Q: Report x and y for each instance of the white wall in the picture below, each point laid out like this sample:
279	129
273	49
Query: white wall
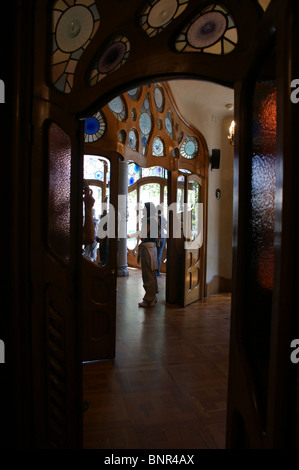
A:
207	112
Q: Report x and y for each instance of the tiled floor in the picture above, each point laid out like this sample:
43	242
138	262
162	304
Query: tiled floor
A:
167	387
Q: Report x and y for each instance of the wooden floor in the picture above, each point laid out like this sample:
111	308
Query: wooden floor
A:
167	387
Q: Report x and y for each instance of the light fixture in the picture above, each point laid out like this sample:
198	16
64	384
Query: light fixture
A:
231	135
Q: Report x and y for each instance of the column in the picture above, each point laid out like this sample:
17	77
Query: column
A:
122	266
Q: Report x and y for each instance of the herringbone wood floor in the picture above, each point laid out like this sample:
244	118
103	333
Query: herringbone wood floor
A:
167	387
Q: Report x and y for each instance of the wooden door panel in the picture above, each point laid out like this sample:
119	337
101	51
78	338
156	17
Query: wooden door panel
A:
55	249
99	311
192	276
260	392
99	289
193	243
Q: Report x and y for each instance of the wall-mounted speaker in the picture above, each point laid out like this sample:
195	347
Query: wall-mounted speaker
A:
215	159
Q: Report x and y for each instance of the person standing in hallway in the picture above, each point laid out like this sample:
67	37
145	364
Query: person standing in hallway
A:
162	227
147	255
102	235
88	227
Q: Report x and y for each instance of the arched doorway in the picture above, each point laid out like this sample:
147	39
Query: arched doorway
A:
58	99
148	178
180	162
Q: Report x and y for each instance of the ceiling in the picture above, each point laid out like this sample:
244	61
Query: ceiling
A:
206	95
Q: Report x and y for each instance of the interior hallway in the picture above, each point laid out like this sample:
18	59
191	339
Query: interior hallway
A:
167	387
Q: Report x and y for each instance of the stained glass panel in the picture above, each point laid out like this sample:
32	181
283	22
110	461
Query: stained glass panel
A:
134	93
95	168
158	149
95	127
194	196
212	31
157	14
132	219
149	192
189	147
169	123
180	193
59	193
154	171
119	108
263	181
260	259
134	173
112	58
74	24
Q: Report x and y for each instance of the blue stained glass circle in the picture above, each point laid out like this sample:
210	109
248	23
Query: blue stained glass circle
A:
190	148
131	180
92	126
99	175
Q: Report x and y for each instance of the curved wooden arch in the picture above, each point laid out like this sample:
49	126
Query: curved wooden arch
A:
150	59
182	129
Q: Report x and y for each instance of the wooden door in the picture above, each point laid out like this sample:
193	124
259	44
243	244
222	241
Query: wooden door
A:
55	282
99	288
262	378
193	238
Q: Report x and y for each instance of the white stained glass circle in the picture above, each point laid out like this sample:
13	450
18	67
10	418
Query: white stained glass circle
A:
162	12
159	98
157	147
116	105
132	139
189	148
145	123
207	29
133	92
74	28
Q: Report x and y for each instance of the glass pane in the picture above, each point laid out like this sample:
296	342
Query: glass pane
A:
211	31
97	168
73	27
97	193
132	219
59	193
91	251
154	171
148	193
260	248
193	206
106	217
158	147
94	168
180	194
134	172
165	200
263	183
